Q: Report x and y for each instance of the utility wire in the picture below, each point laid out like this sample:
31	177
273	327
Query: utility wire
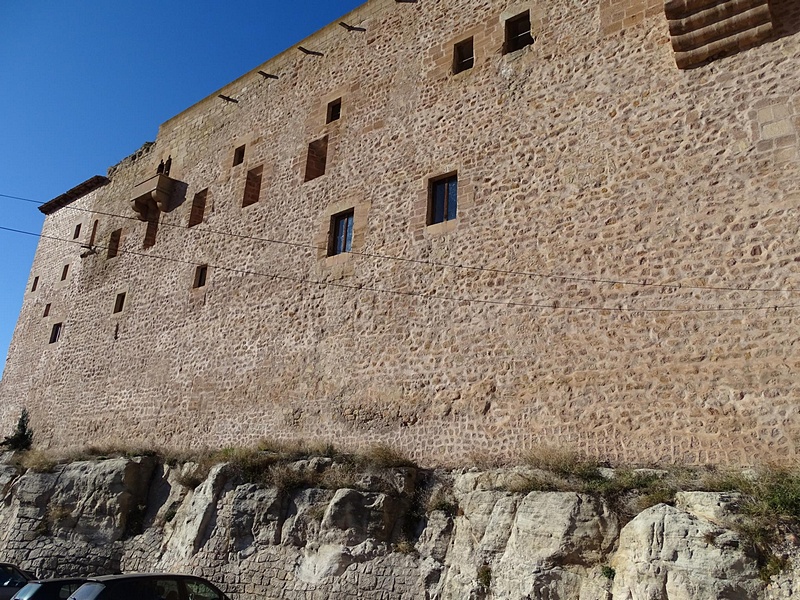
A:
497	271
379	290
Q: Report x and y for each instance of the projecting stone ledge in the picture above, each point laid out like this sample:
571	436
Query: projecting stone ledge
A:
156	189
702	30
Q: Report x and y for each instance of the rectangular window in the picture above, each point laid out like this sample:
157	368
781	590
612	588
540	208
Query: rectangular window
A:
252	187
46	310
198	208
463	56
341	233
119	303
238	156
317	158
64	272
35	283
113	243
94	234
443	199
55	333
334	111
518	32
151	232
77	231
200	274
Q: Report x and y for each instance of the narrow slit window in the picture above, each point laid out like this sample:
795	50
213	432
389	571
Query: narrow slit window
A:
198	208
334	111
77	232
463	56
238	156
252	186
94	234
341	233
119	303
64	272
55	332
317	158
151	232
46	310
113	243
35	283
443	199
200	275
518	32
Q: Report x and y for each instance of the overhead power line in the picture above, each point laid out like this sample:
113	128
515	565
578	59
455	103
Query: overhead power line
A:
393	291
440	264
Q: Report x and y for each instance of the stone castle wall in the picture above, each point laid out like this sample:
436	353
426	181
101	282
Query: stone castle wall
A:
619	278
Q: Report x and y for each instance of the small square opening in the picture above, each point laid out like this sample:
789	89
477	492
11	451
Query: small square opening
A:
77	232
64	272
198	208
518	32
35	283
340	236
46	310
119	303
200	275
238	156
463	56
334	110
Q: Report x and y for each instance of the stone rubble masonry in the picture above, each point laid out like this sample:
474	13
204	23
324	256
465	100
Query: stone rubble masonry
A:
619	278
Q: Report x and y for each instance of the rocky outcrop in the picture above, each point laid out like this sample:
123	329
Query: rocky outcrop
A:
378	539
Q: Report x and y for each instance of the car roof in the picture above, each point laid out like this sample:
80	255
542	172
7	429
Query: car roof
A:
58	580
102	578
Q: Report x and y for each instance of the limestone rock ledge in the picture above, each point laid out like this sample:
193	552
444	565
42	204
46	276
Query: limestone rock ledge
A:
373	542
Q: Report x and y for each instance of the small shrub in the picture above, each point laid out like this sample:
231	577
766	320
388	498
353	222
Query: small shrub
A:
404	547
38	461
22	438
288	479
774	566
484	576
564	463
384	457
608	572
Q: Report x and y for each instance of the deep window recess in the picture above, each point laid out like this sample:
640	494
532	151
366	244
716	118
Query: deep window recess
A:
113	243
200	275
463	56
252	187
35	283
198	208
55	333
94	234
518	32
238	156
64	272
151	232
334	111
77	231
119	303
317	158
46	310
341	234
443	199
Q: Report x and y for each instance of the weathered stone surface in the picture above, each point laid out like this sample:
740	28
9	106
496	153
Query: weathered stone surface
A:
667	554
261	542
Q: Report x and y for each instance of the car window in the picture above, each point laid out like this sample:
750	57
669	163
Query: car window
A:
156	588
11	577
90	591
67	589
27	592
200	590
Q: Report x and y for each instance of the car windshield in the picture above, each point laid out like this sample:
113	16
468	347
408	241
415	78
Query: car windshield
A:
11	577
90	591
27	592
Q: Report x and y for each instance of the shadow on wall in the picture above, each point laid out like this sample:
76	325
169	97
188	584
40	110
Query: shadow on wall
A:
785	17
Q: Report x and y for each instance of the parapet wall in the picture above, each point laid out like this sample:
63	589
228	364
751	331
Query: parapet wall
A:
619	277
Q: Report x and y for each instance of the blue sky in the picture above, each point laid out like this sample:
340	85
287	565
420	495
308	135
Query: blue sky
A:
85	83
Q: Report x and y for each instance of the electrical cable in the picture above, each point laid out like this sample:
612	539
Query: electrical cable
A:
379	290
438	264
